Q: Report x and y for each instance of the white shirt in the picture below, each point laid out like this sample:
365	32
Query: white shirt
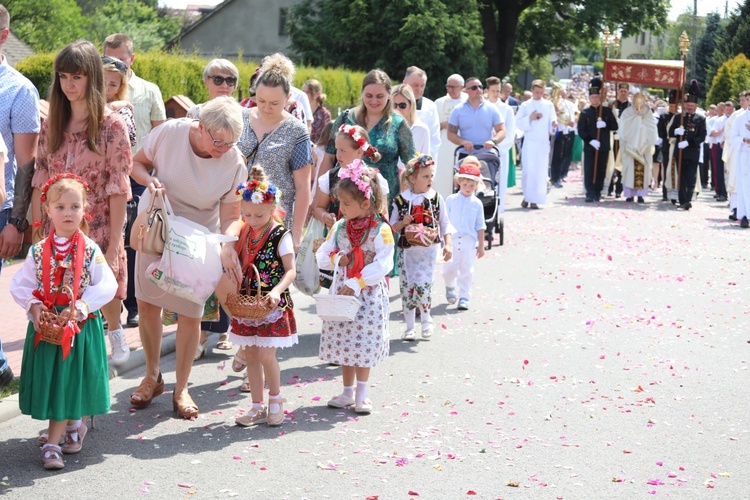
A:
537	130
509	117
148	106
421	135
466	213
300	96
429	116
445	105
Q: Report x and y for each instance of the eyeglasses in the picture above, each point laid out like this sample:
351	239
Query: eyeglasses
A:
475	87
119	65
219	80
220	144
400	105
453	86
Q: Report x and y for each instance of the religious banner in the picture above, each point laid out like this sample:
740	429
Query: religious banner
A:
662	74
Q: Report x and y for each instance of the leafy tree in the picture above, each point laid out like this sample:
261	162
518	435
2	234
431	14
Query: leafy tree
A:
139	20
735	41
89	6
543	26
440	36
732	78
33	22
706	46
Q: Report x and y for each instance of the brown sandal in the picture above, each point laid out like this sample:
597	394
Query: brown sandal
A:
147	391
185	406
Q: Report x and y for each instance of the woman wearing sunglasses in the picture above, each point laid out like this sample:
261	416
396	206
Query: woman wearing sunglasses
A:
405	104
220	77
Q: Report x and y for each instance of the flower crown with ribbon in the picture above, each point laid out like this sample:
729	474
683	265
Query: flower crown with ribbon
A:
423	161
359	173
259	192
59	177
361	142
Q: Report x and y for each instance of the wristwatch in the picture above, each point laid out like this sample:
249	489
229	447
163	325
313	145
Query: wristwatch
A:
20	224
494	141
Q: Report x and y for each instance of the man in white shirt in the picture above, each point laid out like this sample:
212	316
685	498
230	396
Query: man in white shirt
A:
537	119
300	96
715	138
416	78
494	93
730	155
444	161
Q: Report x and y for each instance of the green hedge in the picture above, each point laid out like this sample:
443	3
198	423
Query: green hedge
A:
183	74
732	78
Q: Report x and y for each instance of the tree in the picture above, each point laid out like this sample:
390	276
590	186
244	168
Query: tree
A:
732	78
735	41
706	46
440	36
32	22
139	20
543	26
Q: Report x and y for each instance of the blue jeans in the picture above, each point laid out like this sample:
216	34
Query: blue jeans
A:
4	216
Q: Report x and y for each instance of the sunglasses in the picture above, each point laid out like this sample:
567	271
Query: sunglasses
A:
475	87
400	105
220	144
119	65
219	80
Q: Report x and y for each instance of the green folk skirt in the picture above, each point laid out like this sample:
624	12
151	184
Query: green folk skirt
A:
512	167
55	389
577	149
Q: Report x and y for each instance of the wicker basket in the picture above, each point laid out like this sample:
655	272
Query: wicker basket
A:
249	306
51	325
419	235
332	307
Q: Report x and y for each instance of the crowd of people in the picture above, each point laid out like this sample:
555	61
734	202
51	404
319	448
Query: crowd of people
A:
393	182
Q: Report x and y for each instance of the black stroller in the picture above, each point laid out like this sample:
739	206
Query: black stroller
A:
488	191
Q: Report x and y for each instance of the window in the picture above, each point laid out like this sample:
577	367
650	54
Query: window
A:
282	20
643	38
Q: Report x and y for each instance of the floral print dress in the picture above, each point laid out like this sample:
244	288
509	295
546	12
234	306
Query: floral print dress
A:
363	342
107	173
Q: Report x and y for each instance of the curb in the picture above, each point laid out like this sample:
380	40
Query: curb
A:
9	406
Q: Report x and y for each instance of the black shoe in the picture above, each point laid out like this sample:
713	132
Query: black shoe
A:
629	200
685	206
558	184
674	202
133	319
704	186
641	200
743	224
721	198
5	378
733	215
589	199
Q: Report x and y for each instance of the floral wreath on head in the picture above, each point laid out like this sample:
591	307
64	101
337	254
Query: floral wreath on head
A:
258	192
423	161
358	139
59	177
359	173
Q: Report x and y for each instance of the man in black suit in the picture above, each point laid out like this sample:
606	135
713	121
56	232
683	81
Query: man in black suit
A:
595	132
690	133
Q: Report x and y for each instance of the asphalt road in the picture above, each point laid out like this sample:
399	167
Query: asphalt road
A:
604	357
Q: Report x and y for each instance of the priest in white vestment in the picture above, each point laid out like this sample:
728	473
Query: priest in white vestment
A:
537	119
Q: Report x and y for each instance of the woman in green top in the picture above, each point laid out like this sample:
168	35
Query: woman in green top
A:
388	131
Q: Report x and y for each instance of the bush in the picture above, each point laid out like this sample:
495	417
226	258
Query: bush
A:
177	73
732	78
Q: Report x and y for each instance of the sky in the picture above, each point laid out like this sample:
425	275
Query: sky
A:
678	6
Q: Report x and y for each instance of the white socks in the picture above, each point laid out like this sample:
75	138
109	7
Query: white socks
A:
274	407
361	391
348	391
74	427
410	317
426	320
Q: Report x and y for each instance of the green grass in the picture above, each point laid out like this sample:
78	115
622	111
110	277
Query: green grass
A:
10	389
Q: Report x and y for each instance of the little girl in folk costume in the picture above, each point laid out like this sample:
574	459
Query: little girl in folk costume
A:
62	383
367	242
265	243
420	204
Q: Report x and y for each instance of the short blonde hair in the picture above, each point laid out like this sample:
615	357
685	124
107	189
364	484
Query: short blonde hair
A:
408	94
538	83
223	113
222	66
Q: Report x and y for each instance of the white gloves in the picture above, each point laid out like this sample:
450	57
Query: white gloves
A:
595	144
659	141
601	124
679	131
682	144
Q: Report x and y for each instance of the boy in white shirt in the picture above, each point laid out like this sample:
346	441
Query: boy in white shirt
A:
466	214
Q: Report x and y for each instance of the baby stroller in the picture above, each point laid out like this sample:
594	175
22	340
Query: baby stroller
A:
487	191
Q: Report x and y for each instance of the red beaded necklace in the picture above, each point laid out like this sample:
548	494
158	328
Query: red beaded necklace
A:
253	245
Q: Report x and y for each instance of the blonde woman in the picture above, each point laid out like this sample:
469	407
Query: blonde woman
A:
405	104
116	91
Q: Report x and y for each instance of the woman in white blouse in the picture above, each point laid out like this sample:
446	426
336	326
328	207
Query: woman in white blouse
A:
405	104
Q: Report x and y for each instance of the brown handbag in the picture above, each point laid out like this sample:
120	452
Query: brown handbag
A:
150	227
